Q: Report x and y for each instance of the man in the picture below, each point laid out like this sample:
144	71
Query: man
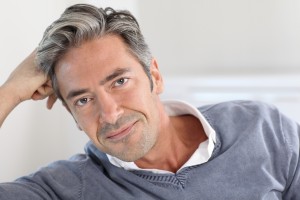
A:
141	148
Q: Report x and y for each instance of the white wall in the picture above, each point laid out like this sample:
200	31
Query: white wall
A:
188	37
223	37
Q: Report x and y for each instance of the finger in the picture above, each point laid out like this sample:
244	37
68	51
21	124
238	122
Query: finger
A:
42	92
46	88
37	96
51	100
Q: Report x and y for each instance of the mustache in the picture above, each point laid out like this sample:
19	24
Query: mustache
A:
108	127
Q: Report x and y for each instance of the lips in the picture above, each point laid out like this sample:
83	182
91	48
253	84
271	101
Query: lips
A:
120	133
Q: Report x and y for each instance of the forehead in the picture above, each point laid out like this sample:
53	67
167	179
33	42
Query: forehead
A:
93	59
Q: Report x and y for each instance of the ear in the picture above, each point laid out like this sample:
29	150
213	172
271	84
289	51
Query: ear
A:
68	109
158	85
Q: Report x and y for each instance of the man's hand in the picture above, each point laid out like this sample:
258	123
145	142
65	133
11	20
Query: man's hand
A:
25	82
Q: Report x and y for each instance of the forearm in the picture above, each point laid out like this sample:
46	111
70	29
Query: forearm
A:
7	102
24	83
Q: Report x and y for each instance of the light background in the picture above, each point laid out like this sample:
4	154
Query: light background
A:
208	51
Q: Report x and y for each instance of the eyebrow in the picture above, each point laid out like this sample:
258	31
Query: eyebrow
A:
114	74
74	93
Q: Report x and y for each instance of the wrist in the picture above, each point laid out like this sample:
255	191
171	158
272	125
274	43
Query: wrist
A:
8	102
9	96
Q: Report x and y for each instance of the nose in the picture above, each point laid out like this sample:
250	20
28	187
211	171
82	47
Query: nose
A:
109	109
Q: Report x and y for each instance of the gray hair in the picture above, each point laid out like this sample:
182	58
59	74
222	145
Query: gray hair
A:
82	22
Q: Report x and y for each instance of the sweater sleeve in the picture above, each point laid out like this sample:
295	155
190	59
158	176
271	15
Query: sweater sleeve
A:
59	180
291	131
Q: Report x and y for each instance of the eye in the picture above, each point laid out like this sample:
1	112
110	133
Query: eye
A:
82	101
120	82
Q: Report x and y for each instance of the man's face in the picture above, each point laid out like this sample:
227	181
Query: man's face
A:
108	93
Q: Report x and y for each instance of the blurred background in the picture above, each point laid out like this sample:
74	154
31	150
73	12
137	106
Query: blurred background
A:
208	51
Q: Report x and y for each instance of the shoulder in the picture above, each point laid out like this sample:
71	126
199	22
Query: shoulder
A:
239	106
248	112
240	111
253	122
256	126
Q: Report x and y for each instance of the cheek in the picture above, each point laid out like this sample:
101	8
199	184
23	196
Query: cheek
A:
147	104
87	122
140	93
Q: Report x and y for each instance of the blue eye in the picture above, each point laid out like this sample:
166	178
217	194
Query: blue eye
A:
120	82
82	101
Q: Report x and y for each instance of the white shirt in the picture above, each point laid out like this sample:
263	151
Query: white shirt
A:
201	155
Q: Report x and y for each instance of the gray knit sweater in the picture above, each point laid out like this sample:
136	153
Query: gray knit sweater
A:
256	156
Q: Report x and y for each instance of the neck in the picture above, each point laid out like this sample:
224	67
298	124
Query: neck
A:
178	140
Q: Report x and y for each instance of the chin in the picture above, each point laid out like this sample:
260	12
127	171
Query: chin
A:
129	157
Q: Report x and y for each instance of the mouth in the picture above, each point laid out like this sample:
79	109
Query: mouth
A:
121	133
